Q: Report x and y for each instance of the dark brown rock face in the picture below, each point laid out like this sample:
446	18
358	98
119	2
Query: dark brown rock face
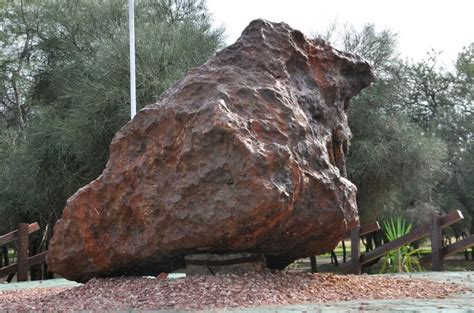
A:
245	154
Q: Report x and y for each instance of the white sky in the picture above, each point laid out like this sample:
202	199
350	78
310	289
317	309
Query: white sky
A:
445	25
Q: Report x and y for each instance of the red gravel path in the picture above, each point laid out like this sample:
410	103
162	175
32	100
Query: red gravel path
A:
222	291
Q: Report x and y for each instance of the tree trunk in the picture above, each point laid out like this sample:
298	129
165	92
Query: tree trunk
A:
378	237
368	242
314	266
465	251
472	233
46	273
334	258
36	272
47	238
4	260
343	251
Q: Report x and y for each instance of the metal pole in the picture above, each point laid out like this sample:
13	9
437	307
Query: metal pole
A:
131	24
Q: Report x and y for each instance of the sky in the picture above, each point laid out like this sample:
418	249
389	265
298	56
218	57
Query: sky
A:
421	25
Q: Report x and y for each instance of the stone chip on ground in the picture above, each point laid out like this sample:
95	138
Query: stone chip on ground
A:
223	291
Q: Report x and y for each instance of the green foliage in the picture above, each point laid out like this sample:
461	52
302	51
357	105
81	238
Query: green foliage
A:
396	228
393	161
405	258
79	95
411	152
64	83
18	64
393	164
441	102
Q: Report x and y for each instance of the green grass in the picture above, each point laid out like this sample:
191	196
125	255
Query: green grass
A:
453	263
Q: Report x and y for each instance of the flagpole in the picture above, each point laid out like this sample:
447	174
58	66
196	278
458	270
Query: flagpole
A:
131	24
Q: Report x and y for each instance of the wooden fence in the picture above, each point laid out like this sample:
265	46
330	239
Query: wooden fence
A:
434	230
24	261
363	230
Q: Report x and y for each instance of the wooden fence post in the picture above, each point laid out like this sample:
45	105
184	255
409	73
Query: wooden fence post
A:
436	244
355	251
22	254
314	266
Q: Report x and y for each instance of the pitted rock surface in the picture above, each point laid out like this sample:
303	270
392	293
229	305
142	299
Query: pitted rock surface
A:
246	153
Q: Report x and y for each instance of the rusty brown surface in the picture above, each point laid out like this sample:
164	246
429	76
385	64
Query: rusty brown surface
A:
246	153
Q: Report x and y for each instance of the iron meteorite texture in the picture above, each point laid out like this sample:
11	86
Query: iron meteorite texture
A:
246	153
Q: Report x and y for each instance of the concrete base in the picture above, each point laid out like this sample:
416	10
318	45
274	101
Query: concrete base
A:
210	263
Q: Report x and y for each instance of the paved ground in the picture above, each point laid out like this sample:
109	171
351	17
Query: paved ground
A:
459	303
50	283
54	283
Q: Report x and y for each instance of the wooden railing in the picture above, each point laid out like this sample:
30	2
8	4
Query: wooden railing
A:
434	230
364	230
24	261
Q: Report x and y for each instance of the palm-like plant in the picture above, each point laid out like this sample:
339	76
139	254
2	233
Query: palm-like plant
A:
405	258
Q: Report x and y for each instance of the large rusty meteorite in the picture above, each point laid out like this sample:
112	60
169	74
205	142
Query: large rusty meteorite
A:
245	153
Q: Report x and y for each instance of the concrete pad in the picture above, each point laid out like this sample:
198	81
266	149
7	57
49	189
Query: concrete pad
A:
49	283
57	283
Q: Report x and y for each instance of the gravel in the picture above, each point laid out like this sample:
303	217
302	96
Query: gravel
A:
222	291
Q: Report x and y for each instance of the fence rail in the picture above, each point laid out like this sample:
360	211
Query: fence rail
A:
434	230
11	236
24	261
365	229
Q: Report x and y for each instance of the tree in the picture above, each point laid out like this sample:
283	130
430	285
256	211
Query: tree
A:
79	91
441	103
392	161
412	148
18	64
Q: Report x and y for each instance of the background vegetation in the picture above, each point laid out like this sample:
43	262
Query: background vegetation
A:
64	93
65	89
412	150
